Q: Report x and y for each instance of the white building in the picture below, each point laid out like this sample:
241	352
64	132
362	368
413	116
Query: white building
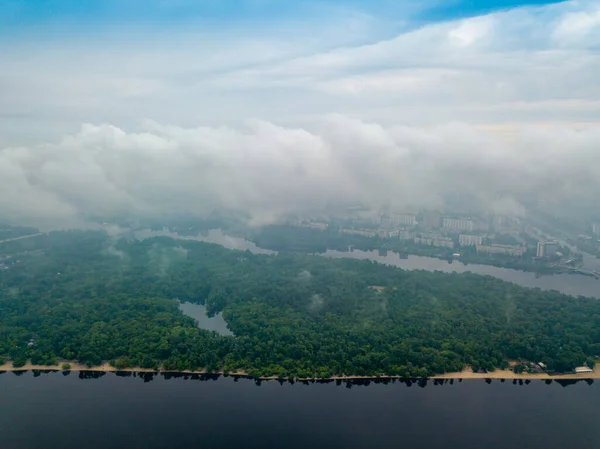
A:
508	250
458	224
403	219
583	369
470	240
405	234
596	228
546	249
438	242
540	249
360	232
314	225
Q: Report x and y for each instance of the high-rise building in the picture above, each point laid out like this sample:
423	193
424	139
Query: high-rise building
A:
596	228
403	219
458	224
508	250
470	240
442	242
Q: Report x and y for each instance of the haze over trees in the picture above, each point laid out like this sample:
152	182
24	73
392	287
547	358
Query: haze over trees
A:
84	296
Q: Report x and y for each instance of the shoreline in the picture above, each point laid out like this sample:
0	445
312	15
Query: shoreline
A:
526	268
464	374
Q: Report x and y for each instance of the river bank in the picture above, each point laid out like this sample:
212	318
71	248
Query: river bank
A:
569	284
467	373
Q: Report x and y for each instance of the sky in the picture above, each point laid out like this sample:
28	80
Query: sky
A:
161	106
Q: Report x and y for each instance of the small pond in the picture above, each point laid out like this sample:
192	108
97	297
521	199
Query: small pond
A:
198	312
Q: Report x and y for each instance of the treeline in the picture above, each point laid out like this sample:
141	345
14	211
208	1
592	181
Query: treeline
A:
90	298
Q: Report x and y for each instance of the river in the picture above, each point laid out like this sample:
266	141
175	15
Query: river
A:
150	411
570	284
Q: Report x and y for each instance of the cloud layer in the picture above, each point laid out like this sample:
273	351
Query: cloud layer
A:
267	171
498	111
523	65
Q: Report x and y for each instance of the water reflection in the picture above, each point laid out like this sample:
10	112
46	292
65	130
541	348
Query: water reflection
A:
39	372
91	374
347	383
150	376
197	311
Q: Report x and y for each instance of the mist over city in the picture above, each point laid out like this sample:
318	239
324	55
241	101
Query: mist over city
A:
266	172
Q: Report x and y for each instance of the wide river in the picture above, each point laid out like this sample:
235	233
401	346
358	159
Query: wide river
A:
56	411
570	284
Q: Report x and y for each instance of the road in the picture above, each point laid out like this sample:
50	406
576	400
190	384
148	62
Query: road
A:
21	238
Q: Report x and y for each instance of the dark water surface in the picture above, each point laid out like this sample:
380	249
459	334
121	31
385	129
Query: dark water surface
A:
56	411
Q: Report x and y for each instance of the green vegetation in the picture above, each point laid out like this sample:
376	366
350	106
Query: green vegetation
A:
82	296
66	367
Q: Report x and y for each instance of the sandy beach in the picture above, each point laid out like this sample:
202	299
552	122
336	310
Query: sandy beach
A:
74	367
105	367
467	373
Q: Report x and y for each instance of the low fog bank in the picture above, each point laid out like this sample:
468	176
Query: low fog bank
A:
264	172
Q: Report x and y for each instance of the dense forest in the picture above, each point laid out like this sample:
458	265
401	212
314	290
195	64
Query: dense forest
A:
86	296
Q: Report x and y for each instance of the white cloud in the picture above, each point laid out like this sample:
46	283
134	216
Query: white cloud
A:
267	171
348	111
473	70
471	31
578	25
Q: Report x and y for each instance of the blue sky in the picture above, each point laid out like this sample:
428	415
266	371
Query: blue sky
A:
24	13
